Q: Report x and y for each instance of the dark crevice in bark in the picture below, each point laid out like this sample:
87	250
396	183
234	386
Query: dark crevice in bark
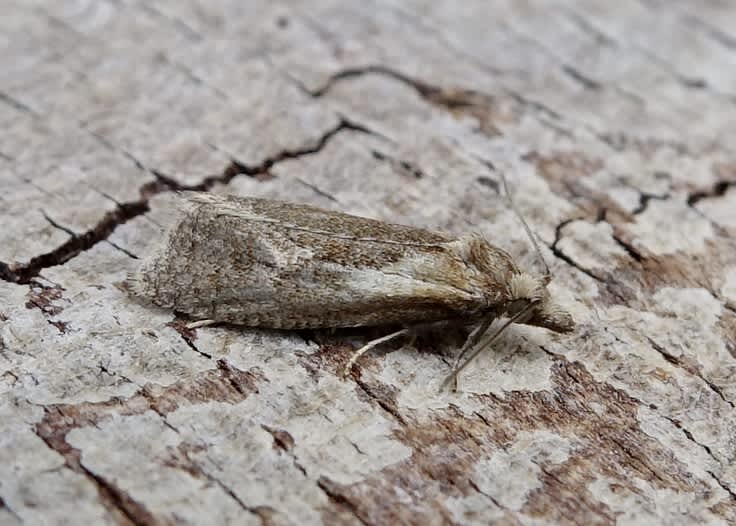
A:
57	225
4	506
117	501
567	259
73	234
619	141
357	449
238	168
448	98
243	382
675	422
718	190
645	198
692	370
584	81
184	462
329	489
133	511
285	442
282	439
723	485
121	249
190	343
629	248
185	29
6	273
489	183
452	99
23	273
640	464
587	27
475	487
382	402
349	73
536	105
404	166
581	79
257	511
16	104
317	190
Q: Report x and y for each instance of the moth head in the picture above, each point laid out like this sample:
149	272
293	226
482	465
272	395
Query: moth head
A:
530	292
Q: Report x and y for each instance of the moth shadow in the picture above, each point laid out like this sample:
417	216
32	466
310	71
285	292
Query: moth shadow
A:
440	339
337	345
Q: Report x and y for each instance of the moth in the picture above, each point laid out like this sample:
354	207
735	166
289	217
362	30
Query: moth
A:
279	265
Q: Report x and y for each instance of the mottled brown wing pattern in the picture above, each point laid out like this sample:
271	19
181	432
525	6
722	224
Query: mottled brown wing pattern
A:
279	265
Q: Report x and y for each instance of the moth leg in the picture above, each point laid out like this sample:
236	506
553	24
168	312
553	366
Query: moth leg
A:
452	377
473	338
370	345
200	323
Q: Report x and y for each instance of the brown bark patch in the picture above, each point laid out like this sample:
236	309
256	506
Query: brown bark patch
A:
282	439
44	298
649	272
121	506
564	173
599	420
224	384
563	497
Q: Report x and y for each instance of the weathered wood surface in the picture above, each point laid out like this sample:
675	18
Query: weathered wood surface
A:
614	121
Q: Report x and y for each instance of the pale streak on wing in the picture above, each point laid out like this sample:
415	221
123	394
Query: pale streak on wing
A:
293	216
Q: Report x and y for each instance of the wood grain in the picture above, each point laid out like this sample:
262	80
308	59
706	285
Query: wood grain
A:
613	122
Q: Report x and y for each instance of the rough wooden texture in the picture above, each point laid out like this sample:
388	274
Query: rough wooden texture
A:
614	121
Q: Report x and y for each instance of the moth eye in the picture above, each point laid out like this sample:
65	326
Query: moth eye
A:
516	306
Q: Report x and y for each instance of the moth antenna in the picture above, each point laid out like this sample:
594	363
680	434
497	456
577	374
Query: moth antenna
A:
526	227
452	377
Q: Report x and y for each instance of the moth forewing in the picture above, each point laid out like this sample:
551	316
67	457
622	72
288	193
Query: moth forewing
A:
278	265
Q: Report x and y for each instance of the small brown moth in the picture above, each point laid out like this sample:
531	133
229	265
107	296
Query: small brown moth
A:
272	264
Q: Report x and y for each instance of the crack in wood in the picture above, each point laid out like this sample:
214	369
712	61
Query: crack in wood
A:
283	441
11	511
183	461
688	368
23	273
675	422
454	100
17	105
330	489
645	198
117	501
632	252
387	405
558	253
731	493
719	189
402	165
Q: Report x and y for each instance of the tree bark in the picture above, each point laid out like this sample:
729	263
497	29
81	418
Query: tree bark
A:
614	124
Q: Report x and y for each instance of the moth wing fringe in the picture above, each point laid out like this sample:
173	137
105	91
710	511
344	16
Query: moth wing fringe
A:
171	208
